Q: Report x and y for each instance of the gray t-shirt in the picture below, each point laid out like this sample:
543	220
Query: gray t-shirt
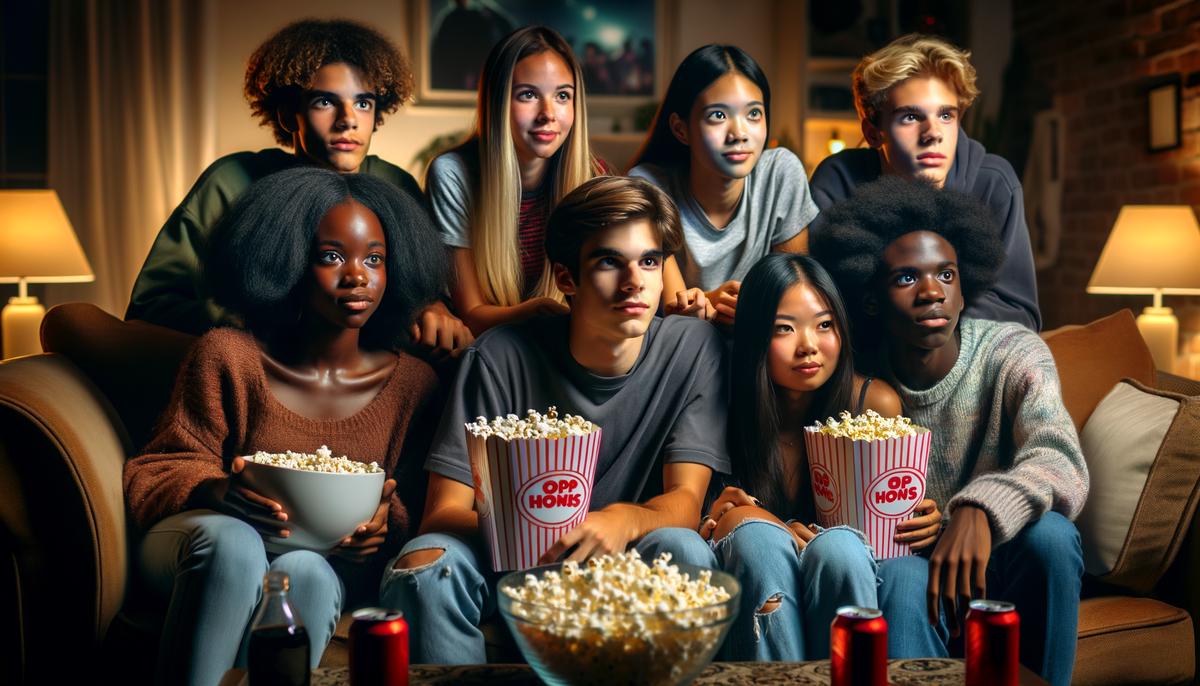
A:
451	191
669	408
776	204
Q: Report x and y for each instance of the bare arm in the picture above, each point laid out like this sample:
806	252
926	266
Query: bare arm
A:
480	316
450	508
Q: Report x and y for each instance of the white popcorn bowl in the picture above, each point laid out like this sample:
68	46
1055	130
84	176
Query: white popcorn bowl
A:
322	507
674	655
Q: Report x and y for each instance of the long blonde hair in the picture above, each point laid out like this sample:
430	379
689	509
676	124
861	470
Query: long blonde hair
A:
493	229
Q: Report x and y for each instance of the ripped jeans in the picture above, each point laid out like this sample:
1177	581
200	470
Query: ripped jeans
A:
835	569
445	601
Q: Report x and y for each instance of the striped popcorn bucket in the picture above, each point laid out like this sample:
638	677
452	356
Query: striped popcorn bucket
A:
529	492
868	485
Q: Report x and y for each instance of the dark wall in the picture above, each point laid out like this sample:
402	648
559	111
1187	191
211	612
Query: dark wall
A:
1097	59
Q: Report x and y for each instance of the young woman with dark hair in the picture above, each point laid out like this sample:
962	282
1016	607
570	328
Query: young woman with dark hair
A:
326	271
738	200
491	195
792	366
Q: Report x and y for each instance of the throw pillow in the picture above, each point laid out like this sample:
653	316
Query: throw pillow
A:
1092	358
1143	456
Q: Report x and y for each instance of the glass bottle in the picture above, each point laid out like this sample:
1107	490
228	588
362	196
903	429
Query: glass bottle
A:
279	649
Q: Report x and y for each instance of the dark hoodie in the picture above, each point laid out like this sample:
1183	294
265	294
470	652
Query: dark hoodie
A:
990	179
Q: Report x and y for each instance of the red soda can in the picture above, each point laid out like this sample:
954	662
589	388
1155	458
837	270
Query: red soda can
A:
378	648
992	643
858	647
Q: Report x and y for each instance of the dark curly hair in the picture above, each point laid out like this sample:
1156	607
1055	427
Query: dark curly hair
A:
260	251
850	238
282	68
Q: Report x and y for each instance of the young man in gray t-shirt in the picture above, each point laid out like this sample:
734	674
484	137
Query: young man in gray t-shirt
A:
656	387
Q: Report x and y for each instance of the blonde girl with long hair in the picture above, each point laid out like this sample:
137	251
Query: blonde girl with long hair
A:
490	196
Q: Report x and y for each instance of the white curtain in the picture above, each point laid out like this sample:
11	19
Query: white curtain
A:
132	124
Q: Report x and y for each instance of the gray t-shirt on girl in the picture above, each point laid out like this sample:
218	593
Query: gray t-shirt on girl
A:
776	204
450	188
669	408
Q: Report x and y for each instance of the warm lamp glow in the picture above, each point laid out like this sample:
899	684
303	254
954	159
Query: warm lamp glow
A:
836	144
37	245
1153	249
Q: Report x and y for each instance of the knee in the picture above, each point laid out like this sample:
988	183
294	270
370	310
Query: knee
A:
840	553
422	552
1053	541
305	566
684	545
418	558
229	547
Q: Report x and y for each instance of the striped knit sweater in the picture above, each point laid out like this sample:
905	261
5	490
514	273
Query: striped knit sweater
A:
1002	440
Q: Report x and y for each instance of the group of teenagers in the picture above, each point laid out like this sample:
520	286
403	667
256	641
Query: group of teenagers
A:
702	310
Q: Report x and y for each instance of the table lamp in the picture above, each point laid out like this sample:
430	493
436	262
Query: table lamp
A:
37	245
1153	249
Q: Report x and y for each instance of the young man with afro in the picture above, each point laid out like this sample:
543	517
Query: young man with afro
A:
1005	463
911	96
323	87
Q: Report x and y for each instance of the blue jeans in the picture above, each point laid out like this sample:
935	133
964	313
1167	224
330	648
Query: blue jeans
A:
1039	571
210	568
836	568
445	601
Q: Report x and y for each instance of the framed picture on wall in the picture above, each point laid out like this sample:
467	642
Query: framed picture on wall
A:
620	44
1162	107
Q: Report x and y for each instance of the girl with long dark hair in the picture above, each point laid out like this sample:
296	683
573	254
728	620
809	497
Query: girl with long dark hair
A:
738	200
326	271
792	366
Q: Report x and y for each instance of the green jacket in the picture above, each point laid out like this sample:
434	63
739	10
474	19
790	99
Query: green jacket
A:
170	289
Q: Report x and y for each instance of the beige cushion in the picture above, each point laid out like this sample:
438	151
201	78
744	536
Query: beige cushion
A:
1144	462
1091	359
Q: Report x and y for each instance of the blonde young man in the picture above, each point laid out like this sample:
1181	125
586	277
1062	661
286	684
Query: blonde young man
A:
910	97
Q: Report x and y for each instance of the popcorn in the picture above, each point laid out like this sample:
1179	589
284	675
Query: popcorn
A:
867	427
616	619
534	425
322	461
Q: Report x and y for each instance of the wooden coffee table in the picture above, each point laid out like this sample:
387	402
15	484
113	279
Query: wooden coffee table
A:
924	671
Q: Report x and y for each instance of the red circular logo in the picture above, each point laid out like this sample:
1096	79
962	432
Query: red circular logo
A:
554	498
825	490
896	492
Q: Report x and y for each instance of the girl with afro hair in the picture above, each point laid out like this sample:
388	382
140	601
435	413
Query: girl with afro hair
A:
326	272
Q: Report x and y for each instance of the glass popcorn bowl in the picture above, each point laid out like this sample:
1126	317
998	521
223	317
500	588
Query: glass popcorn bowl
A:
653	648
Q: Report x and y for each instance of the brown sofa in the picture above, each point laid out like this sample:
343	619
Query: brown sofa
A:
69	418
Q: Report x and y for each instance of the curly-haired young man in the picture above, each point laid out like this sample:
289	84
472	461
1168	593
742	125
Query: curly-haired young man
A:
1005	463
323	87
910	96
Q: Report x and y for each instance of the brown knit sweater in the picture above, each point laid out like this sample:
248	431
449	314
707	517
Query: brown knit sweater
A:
222	407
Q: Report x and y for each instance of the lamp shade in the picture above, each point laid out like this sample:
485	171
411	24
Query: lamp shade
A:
37	243
1152	248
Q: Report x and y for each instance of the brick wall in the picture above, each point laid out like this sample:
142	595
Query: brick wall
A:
1097	58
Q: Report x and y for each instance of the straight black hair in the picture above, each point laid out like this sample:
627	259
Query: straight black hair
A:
695	73
754	421
260	251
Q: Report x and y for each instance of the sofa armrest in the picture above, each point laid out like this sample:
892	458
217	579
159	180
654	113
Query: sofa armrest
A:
1177	384
62	509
